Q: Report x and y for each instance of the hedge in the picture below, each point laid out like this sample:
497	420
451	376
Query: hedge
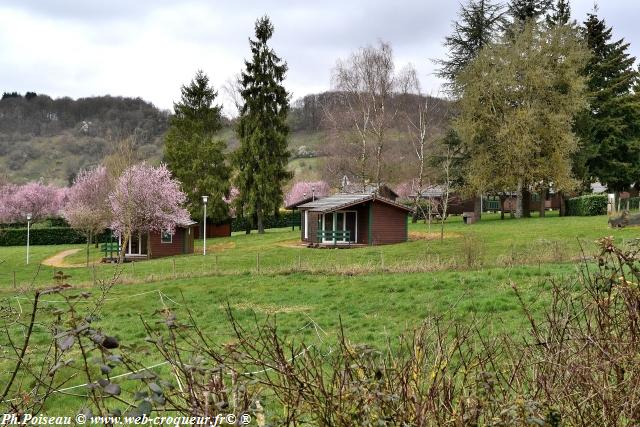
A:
284	219
13	236
587	205
40	236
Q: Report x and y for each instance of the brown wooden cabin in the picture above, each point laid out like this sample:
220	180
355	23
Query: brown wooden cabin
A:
157	245
457	203
353	219
553	201
214	229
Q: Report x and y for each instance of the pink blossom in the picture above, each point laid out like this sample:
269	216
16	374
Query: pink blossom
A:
146	198
39	200
87	201
233	195
302	189
405	190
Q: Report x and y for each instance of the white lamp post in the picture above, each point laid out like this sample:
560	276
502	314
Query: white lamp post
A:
28	234
204	233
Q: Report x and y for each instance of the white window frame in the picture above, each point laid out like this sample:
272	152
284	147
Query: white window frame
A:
306	224
162	241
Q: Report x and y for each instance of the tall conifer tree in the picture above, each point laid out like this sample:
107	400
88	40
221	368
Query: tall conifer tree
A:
479	24
610	128
523	10
560	13
193	153
262	157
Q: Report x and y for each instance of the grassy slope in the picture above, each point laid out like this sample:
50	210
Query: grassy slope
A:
373	307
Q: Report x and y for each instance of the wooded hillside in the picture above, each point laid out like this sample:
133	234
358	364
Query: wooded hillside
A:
53	139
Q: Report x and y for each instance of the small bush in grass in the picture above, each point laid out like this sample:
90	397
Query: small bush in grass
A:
472	251
587	205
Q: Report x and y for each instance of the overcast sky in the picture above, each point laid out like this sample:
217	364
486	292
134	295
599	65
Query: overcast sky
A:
150	48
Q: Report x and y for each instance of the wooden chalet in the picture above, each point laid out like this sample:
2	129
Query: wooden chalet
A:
156	244
353	219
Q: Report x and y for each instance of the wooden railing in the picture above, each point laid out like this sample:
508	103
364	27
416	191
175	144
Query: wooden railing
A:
337	236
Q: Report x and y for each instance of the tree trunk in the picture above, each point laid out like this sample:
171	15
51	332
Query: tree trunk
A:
477	207
519	207
526	202
123	249
149	245
543	198
563	204
259	215
88	244
503	199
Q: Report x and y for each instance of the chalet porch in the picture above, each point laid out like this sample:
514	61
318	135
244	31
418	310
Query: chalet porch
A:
351	220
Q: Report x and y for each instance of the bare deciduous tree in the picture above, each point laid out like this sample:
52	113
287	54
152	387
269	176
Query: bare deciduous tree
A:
423	116
366	82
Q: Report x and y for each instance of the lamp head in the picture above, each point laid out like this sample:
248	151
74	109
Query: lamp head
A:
28	217
204	199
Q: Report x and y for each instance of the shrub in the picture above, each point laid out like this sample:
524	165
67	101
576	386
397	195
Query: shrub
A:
284	219
587	205
40	236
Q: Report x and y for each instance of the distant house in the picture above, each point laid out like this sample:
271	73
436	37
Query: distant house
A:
456	205
214	229
382	190
345	219
161	244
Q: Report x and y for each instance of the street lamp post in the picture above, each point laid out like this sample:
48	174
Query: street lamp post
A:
313	193
28	234
204	227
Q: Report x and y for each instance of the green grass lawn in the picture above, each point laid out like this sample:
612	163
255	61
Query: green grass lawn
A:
376	292
490	243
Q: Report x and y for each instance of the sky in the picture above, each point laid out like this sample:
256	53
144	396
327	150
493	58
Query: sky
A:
149	48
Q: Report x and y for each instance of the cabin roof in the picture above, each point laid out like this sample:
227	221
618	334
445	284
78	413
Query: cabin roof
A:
342	200
302	201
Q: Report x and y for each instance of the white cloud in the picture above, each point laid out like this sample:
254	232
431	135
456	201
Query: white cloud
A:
150	48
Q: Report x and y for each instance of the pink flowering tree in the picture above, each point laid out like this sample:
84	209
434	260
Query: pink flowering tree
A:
39	200
87	207
6	192
302	189
144	199
233	195
406	190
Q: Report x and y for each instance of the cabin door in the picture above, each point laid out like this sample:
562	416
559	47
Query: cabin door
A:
340	221
137	245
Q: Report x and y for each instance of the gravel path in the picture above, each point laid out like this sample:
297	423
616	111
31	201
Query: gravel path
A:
58	259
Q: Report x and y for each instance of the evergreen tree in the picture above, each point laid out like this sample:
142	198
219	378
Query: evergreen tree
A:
523	10
262	157
479	24
193	153
560	13
515	120
610	127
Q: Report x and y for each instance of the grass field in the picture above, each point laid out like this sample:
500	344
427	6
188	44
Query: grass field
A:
376	291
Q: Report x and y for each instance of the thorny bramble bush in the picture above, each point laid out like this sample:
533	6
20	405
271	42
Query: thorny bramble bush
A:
577	365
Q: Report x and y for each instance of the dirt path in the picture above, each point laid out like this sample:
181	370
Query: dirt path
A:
58	259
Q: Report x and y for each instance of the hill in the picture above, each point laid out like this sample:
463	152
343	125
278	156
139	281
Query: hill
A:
52	139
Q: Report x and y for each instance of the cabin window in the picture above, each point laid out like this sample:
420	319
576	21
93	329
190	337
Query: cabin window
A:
306	224
166	237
